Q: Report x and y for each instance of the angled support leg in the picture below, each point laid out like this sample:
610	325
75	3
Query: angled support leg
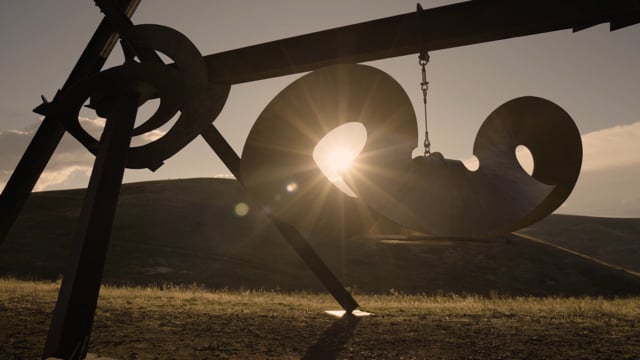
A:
28	171
70	328
222	148
50	132
315	263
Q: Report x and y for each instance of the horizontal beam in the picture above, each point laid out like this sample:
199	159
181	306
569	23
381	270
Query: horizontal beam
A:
460	24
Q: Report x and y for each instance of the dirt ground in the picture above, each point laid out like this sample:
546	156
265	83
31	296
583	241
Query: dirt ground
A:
197	324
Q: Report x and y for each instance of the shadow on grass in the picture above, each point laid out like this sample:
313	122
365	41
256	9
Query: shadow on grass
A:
333	340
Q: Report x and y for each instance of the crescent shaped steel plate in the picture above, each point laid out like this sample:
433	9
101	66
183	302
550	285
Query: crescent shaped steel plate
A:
431	194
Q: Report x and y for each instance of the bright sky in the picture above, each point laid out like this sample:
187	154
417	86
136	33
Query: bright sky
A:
593	74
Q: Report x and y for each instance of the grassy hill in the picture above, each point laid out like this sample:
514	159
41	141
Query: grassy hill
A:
616	241
186	231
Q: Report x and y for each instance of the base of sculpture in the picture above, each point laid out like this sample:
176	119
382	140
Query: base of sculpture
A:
342	313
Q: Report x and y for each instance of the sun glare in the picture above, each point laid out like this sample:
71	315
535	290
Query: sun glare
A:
335	152
340	159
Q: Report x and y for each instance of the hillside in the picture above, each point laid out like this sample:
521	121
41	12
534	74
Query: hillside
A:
186	231
616	241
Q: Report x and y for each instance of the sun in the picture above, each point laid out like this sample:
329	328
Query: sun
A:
336	151
340	158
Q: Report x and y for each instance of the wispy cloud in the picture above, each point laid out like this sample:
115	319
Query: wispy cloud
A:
608	183
617	146
70	160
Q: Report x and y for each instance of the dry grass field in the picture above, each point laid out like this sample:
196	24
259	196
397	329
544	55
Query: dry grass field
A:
194	323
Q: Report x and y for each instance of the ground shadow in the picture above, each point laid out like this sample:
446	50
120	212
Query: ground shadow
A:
333	340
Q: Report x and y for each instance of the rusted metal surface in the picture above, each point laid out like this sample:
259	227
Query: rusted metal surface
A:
68	336
429	194
183	88
290	233
50	132
460	24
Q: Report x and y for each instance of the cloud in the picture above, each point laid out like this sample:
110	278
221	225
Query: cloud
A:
613	147
613	192
60	176
608	182
71	161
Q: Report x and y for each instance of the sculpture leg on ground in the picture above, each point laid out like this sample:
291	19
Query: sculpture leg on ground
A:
73	318
116	93
50	132
217	142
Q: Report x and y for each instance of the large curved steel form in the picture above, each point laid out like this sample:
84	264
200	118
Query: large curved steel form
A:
304	112
182	88
433	195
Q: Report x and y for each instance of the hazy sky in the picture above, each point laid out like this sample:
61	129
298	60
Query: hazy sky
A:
593	74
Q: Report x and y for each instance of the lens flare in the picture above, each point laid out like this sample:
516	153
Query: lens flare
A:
292	187
241	209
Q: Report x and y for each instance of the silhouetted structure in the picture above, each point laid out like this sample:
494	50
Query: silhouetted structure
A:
430	194
198	86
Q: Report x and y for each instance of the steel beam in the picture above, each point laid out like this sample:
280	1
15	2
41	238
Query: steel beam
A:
460	24
28	171
46	140
70	329
293	237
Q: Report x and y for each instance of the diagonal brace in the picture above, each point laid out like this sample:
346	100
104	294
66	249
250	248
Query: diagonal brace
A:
222	148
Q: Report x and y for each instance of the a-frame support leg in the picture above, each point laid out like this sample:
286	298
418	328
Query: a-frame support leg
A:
222	148
50	132
28	171
75	309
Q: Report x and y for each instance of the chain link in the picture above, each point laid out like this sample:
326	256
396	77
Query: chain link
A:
423	60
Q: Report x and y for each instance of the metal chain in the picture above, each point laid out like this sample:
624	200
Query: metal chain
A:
423	59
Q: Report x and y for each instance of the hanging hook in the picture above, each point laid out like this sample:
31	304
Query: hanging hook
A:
423	60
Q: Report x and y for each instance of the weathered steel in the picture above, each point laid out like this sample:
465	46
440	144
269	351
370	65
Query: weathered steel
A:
183	88
223	149
198	88
293	237
26	174
430	194
50	132
460	24
122	24
70	328
315	263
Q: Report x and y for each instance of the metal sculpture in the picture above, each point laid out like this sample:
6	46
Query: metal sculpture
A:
197	87
430	194
181	88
